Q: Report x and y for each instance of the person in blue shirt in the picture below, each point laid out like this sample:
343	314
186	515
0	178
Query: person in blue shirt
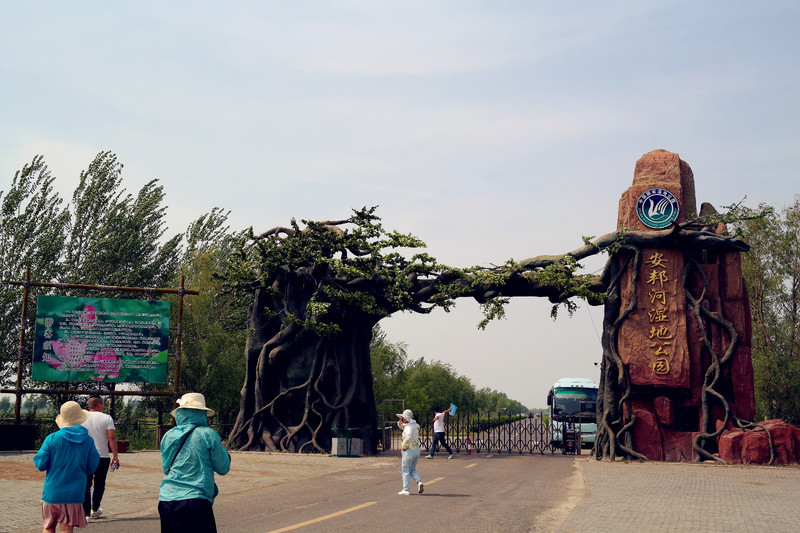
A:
67	456
190	454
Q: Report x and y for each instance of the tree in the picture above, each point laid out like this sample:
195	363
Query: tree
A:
424	385
33	226
116	238
772	274
214	322
388	361
104	236
319	291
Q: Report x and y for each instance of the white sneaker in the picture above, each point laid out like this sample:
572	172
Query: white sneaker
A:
88	519
98	513
420	487
450	456
403	493
428	457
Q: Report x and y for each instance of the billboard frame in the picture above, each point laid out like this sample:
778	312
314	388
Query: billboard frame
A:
19	391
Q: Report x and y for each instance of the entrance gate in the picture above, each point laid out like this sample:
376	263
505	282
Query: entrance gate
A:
500	432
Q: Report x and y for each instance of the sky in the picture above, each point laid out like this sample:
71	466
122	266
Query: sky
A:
490	130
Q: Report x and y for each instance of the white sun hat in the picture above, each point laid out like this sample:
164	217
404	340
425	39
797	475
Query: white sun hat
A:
407	414
71	415
193	400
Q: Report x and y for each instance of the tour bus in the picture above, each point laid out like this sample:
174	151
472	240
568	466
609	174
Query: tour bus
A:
573	401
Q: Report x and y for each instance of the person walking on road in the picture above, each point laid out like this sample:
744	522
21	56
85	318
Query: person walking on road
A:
409	450
67	456
190	454
438	433
101	429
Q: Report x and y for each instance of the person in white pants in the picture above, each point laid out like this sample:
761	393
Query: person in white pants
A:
409	450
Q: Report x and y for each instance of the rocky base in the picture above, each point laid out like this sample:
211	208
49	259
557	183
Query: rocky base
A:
752	446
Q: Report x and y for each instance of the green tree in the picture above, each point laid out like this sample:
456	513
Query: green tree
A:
215	322
491	400
424	385
117	238
6	408
388	365
772	274
33	226
436	384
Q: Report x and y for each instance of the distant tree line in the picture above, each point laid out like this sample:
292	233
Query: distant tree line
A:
424	385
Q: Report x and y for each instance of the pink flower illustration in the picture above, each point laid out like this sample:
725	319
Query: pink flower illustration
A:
71	354
106	364
88	317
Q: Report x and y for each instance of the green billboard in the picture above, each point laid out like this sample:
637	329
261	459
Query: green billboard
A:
101	339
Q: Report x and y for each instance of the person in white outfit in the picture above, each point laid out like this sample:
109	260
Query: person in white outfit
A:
101	429
409	450
438	433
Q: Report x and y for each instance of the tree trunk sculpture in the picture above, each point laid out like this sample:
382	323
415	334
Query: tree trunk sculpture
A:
319	290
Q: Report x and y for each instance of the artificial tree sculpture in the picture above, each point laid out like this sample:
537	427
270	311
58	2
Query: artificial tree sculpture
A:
319	290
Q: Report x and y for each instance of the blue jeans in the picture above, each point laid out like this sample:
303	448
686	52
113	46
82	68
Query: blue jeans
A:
409	467
439	437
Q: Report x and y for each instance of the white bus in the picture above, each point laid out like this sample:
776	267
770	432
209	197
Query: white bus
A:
573	401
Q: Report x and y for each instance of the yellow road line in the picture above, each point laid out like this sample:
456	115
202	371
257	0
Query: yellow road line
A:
431	482
471	465
321	518
490	455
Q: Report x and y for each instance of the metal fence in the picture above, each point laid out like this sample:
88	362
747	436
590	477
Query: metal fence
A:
466	433
487	433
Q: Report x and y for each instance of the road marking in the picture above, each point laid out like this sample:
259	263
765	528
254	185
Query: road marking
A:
321	518
471	465
431	482
490	455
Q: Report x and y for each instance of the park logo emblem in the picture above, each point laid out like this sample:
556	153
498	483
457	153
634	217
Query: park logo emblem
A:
657	208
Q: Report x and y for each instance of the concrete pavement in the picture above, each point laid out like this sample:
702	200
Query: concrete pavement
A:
585	495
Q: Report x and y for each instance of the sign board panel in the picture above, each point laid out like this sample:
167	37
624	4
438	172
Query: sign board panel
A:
101	339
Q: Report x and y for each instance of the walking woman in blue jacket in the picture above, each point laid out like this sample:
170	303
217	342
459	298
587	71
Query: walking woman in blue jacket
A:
190	454
67	456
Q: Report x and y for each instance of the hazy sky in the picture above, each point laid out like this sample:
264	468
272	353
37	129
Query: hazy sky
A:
491	130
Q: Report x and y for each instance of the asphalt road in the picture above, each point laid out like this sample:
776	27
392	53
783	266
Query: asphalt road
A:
468	493
271	492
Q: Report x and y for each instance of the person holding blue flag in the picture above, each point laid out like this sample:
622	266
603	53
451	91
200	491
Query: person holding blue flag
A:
438	432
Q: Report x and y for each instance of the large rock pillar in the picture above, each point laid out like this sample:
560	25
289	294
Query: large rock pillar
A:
665	344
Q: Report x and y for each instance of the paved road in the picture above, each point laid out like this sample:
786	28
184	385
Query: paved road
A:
550	493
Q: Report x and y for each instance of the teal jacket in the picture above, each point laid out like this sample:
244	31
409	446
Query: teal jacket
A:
68	456
192	473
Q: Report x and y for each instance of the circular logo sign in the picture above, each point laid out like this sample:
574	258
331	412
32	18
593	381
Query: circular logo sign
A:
657	208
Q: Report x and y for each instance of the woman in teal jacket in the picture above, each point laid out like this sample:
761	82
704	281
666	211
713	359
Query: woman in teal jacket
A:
68	456
190	454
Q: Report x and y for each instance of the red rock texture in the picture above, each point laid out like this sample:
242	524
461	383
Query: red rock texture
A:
752	446
646	435
664	410
658	168
661	342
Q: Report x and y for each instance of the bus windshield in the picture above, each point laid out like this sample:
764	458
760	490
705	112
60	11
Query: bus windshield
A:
578	403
